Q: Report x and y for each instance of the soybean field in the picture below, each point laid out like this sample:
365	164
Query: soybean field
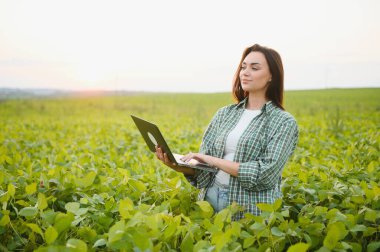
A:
76	175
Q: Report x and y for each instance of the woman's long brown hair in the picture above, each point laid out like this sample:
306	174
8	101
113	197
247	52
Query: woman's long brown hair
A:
275	89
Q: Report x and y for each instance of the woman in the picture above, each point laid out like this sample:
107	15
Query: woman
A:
250	141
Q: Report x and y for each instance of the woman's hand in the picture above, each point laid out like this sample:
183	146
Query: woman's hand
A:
164	158
202	158
227	166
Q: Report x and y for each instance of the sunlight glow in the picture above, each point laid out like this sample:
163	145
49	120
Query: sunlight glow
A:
92	72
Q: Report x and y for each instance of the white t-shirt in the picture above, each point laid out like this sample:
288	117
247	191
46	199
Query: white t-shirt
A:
223	178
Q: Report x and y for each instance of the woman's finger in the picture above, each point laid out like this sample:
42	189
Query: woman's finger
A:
160	154
167	161
187	157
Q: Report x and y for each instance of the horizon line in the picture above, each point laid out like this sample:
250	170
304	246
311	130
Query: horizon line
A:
156	91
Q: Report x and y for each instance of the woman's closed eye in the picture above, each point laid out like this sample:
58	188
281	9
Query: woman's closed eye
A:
253	68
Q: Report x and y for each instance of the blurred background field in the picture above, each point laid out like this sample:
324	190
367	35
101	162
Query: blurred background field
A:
334	110
86	150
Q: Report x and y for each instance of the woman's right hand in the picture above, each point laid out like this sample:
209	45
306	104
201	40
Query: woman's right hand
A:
164	159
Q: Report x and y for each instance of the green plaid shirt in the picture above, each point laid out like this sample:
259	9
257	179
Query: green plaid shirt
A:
262	151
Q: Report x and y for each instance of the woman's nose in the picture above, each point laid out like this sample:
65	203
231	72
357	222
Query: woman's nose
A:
245	72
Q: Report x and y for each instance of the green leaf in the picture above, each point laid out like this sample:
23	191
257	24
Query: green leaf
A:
35	228
137	185
221	217
87	233
249	241
330	241
358	228
299	247
277	204
84	201
87	181
154	222
277	232
370	215
265	207
370	231
358	199
335	214
320	210
4	197
303	176
9	160
202	246
340	228
28	211
81	211
185	218
355	246
116	232
41	201
285	213
77	245
142	241
11	190
30	189
336	232
63	221
136	219
257	226
174	182
50	235
48	216
170	229
125	206
314	228
72	207
205	206
187	242
220	239
373	246
235	229
99	243
2	174
371	166
4	220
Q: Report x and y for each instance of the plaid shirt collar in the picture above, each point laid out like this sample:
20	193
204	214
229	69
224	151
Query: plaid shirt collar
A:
267	107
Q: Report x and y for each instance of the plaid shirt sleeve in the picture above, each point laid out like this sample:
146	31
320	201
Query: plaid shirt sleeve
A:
265	172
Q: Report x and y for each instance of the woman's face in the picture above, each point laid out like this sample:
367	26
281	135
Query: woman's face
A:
254	74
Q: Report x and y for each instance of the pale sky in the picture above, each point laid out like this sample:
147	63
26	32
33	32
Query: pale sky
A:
173	45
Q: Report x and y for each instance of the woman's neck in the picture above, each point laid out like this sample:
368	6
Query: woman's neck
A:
256	101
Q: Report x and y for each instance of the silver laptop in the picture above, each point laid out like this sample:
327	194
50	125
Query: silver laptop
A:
153	138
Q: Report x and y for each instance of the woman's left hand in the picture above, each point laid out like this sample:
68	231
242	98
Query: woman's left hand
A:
199	157
227	166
